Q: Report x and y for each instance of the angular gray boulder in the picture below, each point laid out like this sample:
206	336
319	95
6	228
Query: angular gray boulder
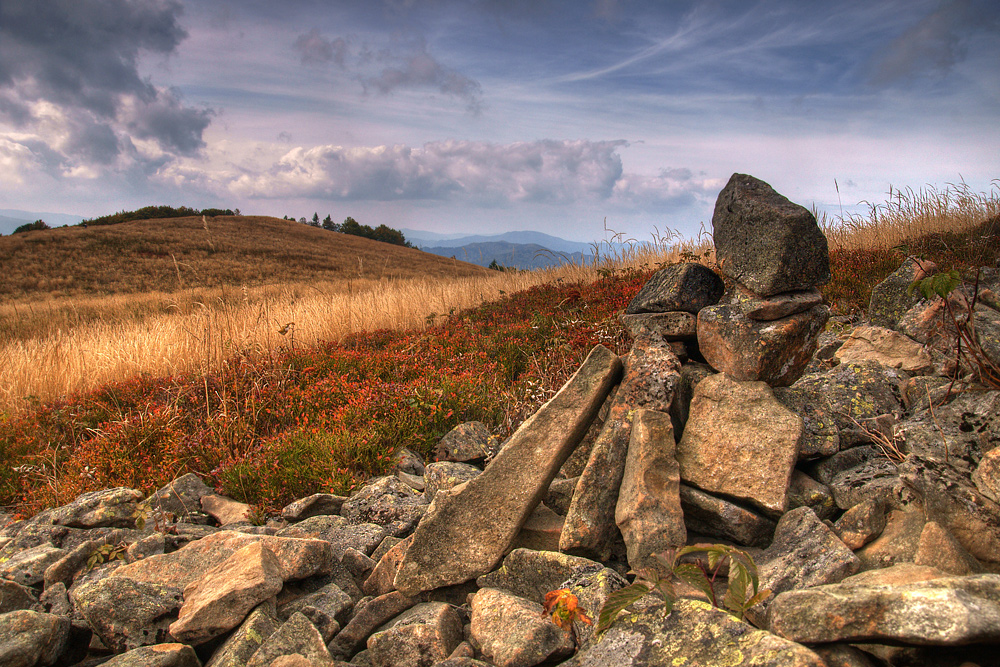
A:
766	242
452	543
685	287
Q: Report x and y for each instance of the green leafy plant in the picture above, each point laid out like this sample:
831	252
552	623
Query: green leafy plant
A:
106	553
742	591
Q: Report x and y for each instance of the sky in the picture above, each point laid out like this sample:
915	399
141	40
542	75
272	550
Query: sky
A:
582	119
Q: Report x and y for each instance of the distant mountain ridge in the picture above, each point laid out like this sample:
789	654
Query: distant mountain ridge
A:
431	240
513	255
12	218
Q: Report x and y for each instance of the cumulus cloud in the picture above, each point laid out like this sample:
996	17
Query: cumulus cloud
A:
69	80
477	173
934	45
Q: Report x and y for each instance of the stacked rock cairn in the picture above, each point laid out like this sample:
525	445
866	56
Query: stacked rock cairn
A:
863	482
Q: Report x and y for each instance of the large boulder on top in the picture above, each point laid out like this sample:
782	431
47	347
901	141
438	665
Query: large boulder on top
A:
765	242
679	287
453	543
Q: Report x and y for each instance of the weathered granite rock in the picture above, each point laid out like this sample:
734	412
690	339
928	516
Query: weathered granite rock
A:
706	514
108	507
514	632
648	512
951	500
820	435
887	347
531	574
804	553
14	596
296	635
939	548
898	541
959	433
425	634
862	523
775	352
29	638
672	326
444	475
387	502
695	633
986	476
953	610
740	442
857	474
326	608
470	442
126	613
224	595
650	376
691	374
180	497
64	569
339	532
299	558
224	510
452	544
843	655
158	655
765	242
560	495
774	307
685	287
318	504
890	298
852	392
240	646
804	491
366	619
379	582
28	567
541	530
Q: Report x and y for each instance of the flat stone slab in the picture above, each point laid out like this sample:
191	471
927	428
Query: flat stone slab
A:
944	611
453	543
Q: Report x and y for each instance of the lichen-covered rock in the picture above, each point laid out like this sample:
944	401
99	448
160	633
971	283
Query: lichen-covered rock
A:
857	474
939	548
862	523
159	655
685	287
470	442
887	347
126	613
444	475
14	596
108	507
706	514
695	633
326	608
673	326
945	611
820	435
986	476
318	504
240	646
892	297
652	372
387	502
339	532
531	574
366	619
648	512
775	352
898	541
804	491
513	632
740	442
774	307
180	497
296	635
224	595
30	638
765	242
28	567
453	544
379	582
424	634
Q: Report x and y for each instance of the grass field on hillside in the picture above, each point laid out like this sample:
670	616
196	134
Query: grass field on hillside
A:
270	421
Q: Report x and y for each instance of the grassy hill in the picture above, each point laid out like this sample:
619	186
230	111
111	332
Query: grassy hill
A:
178	253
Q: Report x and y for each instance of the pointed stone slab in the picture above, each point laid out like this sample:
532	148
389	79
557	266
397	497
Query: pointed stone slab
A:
468	529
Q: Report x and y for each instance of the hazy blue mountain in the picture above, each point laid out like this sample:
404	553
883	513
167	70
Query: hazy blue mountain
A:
514	255
428	240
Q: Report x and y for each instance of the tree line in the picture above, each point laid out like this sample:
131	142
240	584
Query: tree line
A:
351	226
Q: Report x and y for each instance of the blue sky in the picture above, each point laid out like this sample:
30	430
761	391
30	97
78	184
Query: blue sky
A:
485	116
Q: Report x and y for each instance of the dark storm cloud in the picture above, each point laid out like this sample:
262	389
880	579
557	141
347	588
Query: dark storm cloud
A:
69	72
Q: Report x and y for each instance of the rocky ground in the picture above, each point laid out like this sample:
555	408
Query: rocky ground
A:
841	456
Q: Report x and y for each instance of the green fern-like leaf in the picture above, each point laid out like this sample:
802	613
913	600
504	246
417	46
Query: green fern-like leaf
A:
618	601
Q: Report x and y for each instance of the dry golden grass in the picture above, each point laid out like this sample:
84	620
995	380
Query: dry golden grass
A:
910	214
55	346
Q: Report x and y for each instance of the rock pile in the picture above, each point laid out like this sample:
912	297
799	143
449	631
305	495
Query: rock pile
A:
863	485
